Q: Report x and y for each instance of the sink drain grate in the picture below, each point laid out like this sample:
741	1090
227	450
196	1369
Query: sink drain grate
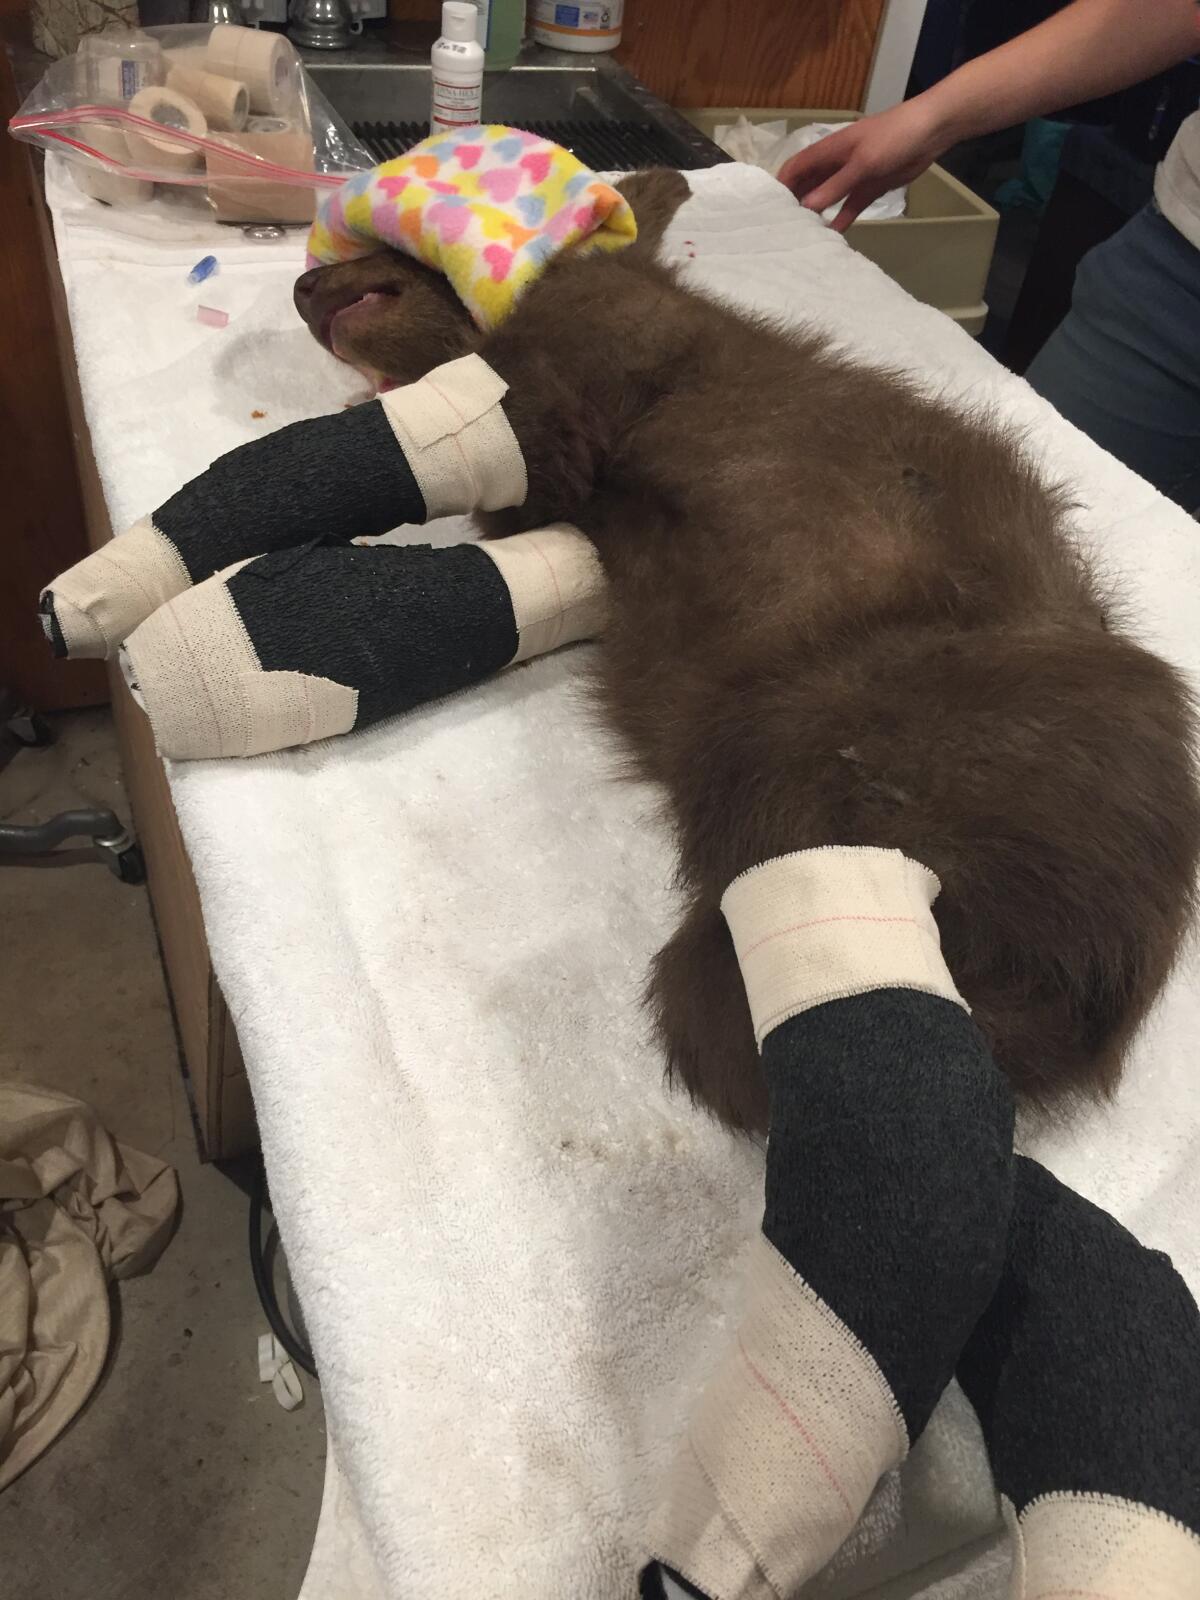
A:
603	146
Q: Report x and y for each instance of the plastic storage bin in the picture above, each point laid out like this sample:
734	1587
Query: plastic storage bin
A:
940	250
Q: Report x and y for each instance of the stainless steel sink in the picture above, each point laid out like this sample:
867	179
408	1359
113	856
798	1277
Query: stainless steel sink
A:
586	102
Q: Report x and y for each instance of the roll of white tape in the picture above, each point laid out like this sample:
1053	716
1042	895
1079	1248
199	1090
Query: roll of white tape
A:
268	125
264	62
224	101
169	109
111	187
192	57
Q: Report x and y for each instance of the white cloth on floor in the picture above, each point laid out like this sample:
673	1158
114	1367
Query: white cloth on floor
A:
518	1256
77	1211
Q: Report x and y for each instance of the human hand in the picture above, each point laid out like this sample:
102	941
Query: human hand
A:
865	159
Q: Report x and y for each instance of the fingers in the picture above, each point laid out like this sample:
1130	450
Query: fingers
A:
822	180
803	171
848	185
856	165
854	207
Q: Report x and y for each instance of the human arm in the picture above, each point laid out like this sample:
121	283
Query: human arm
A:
1090	48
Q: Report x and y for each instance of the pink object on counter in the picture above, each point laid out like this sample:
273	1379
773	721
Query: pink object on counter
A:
211	317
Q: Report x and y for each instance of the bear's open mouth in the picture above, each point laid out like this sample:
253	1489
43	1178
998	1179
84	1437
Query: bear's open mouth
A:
354	302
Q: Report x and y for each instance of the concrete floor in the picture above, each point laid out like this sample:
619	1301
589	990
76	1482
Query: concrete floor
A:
182	1479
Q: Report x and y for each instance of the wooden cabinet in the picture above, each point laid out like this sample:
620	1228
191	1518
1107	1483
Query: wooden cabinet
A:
43	525
55	513
752	53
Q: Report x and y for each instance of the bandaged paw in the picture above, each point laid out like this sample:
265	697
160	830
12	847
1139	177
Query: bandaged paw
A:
89	609
889	1166
304	644
437	446
785	1448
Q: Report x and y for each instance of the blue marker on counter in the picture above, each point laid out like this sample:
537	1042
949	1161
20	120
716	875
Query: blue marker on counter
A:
203	269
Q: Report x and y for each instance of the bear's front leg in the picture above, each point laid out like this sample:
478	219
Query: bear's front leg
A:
303	644
439	446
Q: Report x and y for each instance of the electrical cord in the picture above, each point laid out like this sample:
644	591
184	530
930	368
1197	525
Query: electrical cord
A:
262	1278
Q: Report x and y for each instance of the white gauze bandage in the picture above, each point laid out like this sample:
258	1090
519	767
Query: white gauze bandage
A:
100	600
457	440
558	588
823	925
197	675
787	1444
1104	1548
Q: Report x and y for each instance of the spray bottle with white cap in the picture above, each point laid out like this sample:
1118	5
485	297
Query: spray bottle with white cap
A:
457	63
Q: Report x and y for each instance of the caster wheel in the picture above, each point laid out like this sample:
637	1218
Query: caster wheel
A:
129	866
29	729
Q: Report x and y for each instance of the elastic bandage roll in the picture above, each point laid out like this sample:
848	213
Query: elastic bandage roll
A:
457	440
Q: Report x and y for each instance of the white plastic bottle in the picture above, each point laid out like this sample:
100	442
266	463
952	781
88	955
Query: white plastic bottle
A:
585	25
457	63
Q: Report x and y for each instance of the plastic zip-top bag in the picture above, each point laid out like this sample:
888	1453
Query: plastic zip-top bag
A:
226	111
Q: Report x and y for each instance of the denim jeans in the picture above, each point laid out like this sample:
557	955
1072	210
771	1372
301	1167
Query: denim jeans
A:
1124	364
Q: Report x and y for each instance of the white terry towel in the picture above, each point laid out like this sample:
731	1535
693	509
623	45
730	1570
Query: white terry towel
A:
518	1256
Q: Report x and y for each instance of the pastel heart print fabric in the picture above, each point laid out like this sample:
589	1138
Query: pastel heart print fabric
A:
489	207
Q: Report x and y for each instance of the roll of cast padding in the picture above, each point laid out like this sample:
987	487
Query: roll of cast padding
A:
264	62
111	187
238	196
224	101
169	109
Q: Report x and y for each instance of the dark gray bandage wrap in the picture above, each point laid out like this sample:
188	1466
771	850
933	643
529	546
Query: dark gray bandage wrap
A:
889	1177
399	624
340	477
1085	1367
